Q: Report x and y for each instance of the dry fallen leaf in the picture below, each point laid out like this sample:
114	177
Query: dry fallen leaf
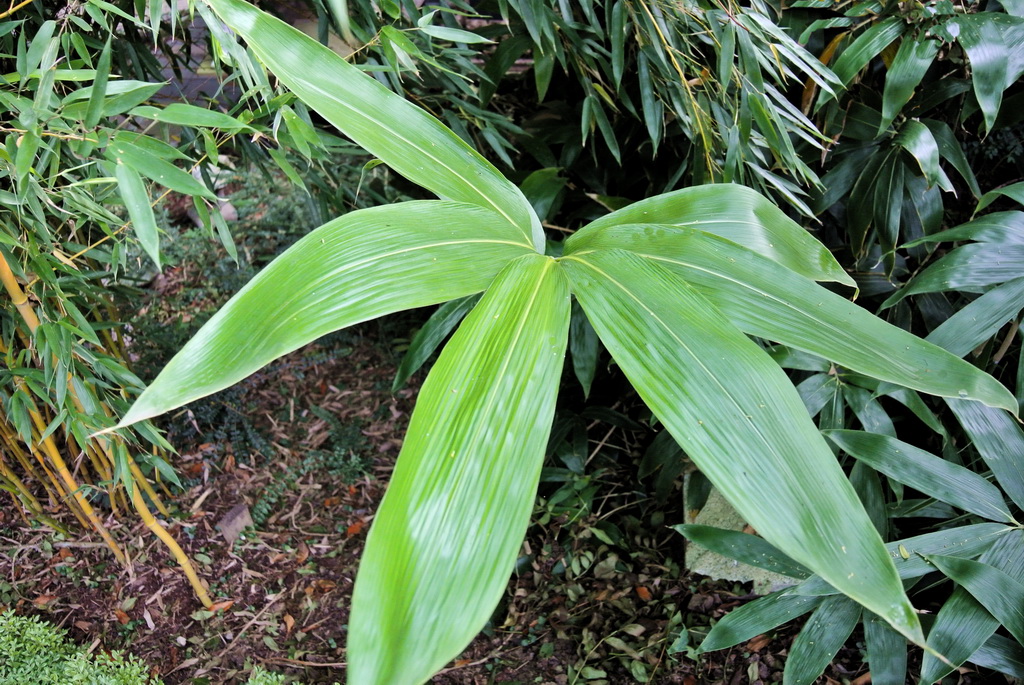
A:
758	643
122	617
643	593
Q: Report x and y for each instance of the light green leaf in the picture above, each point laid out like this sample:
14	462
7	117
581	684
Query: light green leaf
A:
360	266
189	115
136	201
774	303
998	227
1001	594
733	212
934	476
970	266
818	642
156	169
734	411
407	138
447	534
908	67
454	35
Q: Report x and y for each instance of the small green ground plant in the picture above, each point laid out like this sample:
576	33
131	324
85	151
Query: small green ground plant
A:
673	285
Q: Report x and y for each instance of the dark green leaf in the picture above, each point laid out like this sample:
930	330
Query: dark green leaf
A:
747	549
820	639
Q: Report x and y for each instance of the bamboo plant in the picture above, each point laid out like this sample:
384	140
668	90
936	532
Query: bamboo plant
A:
673	285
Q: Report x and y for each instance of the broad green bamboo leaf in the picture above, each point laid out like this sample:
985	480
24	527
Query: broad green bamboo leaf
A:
748	549
908	67
774	303
981	319
734	411
360	266
818	642
887	652
934	476
917	139
982	40
757	617
971	266
136	201
446	536
583	347
1001	594
733	212
1000	442
1014	191
404	136
431	335
1001	654
998	227
965	541
963	625
865	48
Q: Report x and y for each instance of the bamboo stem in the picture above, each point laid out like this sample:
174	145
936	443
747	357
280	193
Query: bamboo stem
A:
18	296
172	544
141	479
54	455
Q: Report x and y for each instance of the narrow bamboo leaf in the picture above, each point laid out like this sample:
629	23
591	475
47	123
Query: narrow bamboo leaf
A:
983	42
189	115
136	201
1014	191
917	139
773	303
969	266
448	531
360	266
866	47
454	35
912	60
757	617
887	652
818	642
99	87
157	170
407	138
981	319
963	625
734	212
1000	442
1001	654
431	335
934	476
734	411
748	549
1001	594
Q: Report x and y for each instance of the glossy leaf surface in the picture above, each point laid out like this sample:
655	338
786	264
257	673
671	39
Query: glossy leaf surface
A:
357	267
757	617
404	136
741	421
934	476
447	533
1001	594
774	303
820	639
732	212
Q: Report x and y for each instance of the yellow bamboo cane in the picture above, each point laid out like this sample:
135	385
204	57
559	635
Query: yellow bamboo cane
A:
172	544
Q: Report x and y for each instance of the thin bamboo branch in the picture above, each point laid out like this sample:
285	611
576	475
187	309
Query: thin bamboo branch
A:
24	3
